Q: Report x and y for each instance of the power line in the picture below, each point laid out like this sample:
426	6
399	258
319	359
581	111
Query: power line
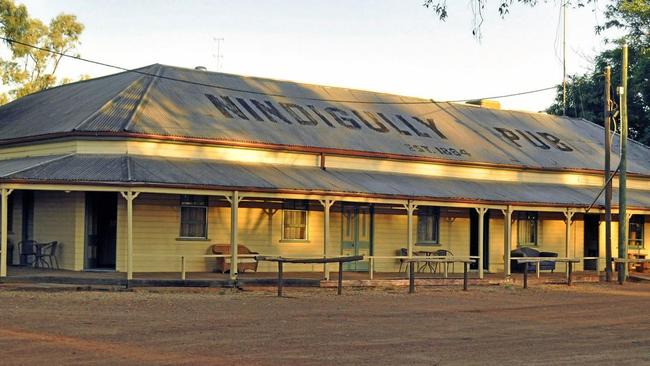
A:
136	71
500	96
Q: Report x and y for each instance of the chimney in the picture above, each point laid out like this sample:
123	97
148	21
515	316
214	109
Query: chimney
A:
485	103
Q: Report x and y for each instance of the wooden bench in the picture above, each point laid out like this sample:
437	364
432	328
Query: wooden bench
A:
223	264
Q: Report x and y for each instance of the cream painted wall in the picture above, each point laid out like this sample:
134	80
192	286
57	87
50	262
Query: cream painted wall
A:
60	216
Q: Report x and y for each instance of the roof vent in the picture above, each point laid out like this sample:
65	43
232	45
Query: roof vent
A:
485	103
201	68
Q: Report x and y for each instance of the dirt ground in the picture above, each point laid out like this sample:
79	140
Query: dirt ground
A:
586	324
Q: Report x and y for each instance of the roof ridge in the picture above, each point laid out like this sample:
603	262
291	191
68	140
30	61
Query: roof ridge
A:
106	104
130	120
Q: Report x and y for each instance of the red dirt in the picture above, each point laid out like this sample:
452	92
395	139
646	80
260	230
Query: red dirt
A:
584	324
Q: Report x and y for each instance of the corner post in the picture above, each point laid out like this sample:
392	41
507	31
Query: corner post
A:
129	196
507	239
4	193
327	204
481	215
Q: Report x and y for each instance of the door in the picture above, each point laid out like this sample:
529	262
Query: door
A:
356	234
473	238
101	230
27	227
591	240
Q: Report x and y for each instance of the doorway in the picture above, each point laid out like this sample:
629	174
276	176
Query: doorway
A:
473	238
591	240
356	234
101	230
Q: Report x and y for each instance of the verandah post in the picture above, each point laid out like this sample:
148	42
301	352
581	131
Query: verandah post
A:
568	215
129	196
234	216
4	193
327	204
410	208
481	215
507	239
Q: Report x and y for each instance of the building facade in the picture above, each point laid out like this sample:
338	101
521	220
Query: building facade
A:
133	171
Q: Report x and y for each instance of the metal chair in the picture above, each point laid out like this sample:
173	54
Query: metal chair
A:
27	252
444	253
46	255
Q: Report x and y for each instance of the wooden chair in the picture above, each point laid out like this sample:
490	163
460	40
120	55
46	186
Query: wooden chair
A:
444	253
403	252
223	266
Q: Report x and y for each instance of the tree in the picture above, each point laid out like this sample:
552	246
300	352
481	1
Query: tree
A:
479	7
30	70
585	91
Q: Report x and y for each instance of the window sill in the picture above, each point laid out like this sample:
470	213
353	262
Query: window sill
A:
294	241
428	244
192	239
527	245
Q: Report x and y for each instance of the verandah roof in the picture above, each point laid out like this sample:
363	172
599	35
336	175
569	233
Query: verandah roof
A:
208	174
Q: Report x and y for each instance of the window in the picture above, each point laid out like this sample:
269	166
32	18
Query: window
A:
194	216
428	224
635	239
527	228
294	220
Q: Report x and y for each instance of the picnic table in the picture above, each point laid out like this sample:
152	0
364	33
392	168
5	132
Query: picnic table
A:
282	260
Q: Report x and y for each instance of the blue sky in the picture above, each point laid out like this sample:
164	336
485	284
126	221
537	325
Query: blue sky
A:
394	46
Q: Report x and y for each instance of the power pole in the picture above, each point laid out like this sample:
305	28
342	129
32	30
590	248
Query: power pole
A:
608	170
622	182
564	58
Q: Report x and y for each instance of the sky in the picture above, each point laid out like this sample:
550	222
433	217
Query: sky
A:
393	46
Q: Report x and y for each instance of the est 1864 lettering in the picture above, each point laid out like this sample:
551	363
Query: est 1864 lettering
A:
449	151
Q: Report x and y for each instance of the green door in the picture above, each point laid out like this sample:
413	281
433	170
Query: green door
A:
356	235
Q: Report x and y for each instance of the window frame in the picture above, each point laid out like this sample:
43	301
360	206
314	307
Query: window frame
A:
429	211
639	242
524	217
194	205
295	206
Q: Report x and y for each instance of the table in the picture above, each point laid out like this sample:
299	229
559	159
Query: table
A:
282	260
442	259
39	253
527	260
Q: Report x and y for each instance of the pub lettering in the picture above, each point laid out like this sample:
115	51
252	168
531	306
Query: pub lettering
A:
266	111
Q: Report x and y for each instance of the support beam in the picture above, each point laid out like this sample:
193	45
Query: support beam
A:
234	200
4	193
507	239
568	217
327	204
481	229
410	208
129	196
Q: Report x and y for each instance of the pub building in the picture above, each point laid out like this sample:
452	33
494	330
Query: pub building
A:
145	171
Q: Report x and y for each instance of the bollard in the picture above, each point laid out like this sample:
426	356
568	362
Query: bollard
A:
570	270
465	276
340	278
411	277
526	274
279	278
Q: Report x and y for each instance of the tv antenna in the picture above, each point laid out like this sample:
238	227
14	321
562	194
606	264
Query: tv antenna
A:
219	55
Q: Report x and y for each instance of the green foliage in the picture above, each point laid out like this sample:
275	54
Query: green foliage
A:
30	70
585	92
439	7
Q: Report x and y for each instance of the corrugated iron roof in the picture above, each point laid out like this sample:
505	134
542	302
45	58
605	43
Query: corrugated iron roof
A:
218	175
256	110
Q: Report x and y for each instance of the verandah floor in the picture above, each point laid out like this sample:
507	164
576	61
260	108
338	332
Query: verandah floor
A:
307	279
